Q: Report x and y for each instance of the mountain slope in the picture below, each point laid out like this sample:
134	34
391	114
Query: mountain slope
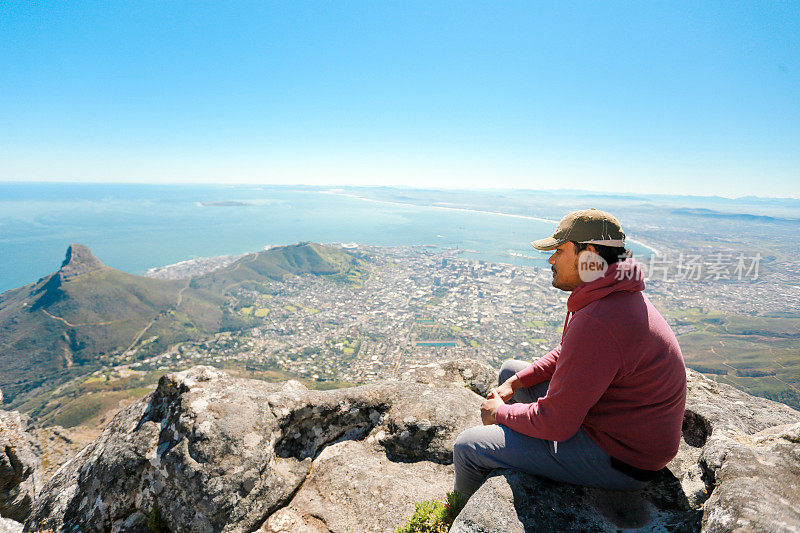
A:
280	262
87	313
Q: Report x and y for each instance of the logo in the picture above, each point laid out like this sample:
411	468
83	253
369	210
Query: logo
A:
591	266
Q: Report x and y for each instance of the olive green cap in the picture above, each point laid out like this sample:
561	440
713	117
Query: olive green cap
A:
590	226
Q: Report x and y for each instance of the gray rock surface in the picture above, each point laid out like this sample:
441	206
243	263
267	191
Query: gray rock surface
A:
208	452
510	501
10	526
738	468
18	466
353	486
478	377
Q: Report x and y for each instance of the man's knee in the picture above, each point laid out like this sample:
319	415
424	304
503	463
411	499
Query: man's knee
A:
509	368
464	444
468	442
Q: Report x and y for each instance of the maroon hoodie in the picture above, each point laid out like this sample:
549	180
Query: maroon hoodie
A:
618	373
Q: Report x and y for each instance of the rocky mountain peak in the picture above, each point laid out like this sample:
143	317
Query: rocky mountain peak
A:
79	260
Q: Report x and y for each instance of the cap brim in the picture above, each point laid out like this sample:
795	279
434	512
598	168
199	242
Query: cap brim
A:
548	244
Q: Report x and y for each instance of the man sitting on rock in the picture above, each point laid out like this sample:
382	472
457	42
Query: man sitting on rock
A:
605	407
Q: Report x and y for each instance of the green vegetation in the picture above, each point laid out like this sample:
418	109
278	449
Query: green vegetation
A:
254	271
89	400
431	331
155	523
91	409
433	516
757	354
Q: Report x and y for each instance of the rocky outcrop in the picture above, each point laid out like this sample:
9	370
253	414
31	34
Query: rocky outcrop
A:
79	260
738	468
208	452
18	467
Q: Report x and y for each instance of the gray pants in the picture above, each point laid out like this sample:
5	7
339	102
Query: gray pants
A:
578	460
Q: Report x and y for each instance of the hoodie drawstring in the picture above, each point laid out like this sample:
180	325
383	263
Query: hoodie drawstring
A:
566	322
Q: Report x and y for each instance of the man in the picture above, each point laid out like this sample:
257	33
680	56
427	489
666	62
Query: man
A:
605	407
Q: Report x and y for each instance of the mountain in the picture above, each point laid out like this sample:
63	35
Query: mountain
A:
87	314
257	269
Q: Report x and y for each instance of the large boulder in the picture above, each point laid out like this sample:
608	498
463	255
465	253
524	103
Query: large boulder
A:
738	468
208	452
18	466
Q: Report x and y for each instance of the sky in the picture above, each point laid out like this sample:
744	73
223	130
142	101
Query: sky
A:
639	97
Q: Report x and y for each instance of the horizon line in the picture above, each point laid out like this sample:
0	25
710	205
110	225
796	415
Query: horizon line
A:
392	186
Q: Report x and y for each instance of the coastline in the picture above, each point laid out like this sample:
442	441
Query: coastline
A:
191	267
653	250
196	266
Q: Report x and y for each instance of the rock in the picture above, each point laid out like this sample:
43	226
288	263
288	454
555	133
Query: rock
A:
353	486
478	377
757	481
18	467
208	452
738	468
10	526
511	501
730	411
79	260
288	520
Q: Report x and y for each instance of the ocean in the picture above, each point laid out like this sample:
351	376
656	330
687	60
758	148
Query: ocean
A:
136	227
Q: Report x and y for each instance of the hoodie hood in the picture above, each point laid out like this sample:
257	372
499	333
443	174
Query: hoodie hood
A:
623	276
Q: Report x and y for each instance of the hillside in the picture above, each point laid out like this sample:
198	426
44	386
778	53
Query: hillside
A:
254	271
87	314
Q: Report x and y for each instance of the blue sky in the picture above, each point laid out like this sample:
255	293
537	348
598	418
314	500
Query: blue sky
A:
644	97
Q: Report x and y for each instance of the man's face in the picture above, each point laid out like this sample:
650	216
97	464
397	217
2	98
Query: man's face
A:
565	267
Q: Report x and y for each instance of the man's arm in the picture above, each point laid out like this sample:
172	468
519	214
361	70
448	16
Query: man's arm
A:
540	370
588	361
